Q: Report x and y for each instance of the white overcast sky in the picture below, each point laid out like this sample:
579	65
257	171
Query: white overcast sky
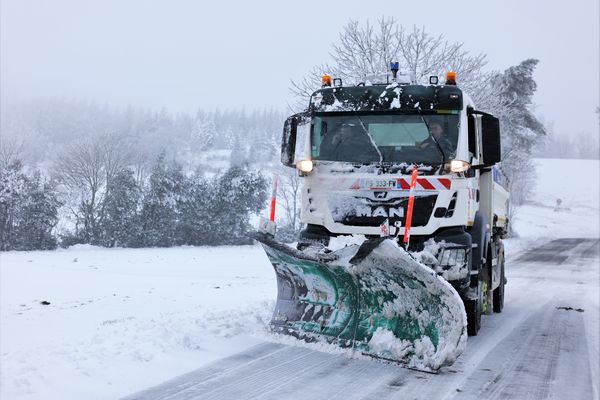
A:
182	55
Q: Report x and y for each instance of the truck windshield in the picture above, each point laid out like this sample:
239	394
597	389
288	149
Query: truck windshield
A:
388	138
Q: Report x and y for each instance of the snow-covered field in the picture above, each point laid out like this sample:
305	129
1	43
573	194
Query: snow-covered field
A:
577	184
121	320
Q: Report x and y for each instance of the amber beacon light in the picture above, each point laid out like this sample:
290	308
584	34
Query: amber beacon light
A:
326	81
451	78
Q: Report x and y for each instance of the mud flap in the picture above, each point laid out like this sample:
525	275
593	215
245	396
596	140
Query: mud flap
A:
374	298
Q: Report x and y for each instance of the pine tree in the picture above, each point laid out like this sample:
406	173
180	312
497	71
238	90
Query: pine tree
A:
238	156
238	193
12	189
39	216
28	210
203	133
159	217
120	223
194	209
520	128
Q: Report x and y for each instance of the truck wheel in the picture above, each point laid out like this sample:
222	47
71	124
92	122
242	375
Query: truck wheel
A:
474	308
499	291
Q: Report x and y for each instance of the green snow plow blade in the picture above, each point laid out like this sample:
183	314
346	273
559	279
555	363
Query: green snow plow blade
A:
375	298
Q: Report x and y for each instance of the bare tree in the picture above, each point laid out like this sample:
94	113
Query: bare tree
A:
364	51
11	151
87	168
141	167
289	193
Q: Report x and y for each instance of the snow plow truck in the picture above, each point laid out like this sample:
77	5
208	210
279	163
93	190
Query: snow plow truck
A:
404	209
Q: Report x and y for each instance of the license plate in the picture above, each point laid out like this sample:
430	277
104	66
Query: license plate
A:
379	184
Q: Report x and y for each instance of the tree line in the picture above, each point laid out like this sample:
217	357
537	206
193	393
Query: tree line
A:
28	210
115	210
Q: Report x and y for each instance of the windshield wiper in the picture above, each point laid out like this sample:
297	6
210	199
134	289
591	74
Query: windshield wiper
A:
364	128
439	147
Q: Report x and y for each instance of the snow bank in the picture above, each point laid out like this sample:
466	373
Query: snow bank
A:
82	247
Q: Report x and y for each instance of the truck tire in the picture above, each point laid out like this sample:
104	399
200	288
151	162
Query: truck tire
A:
474	309
475	295
499	291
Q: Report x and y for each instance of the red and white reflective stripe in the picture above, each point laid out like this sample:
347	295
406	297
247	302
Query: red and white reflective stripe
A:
411	203
273	198
426	183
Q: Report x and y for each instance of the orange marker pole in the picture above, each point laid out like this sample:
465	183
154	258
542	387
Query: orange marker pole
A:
273	198
411	203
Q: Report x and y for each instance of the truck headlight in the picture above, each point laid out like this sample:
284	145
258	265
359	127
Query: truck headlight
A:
457	166
305	166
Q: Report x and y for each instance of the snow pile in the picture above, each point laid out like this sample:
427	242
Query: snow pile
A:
384	341
421	351
339	242
81	247
428	255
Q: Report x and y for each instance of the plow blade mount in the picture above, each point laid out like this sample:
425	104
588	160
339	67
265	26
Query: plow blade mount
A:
374	298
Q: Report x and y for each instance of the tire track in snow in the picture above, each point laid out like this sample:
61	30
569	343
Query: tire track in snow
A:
535	360
216	370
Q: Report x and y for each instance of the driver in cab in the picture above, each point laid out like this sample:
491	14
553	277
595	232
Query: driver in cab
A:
436	131
348	143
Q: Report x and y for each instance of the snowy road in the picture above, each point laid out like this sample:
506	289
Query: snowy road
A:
544	345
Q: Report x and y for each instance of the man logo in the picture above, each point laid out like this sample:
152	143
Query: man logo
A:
380	195
381	211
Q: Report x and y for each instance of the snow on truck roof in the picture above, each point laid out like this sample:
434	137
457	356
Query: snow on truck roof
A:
403	98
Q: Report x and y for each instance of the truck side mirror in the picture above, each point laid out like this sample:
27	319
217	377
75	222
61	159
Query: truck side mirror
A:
288	140
491	148
472	135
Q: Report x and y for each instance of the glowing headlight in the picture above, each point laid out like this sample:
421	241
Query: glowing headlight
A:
458	165
305	165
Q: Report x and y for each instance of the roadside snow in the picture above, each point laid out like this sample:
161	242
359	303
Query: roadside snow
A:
120	320
576	183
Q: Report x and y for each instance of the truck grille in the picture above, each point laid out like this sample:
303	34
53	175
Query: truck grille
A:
368	210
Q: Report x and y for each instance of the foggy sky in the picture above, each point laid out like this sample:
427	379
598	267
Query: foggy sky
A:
183	55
